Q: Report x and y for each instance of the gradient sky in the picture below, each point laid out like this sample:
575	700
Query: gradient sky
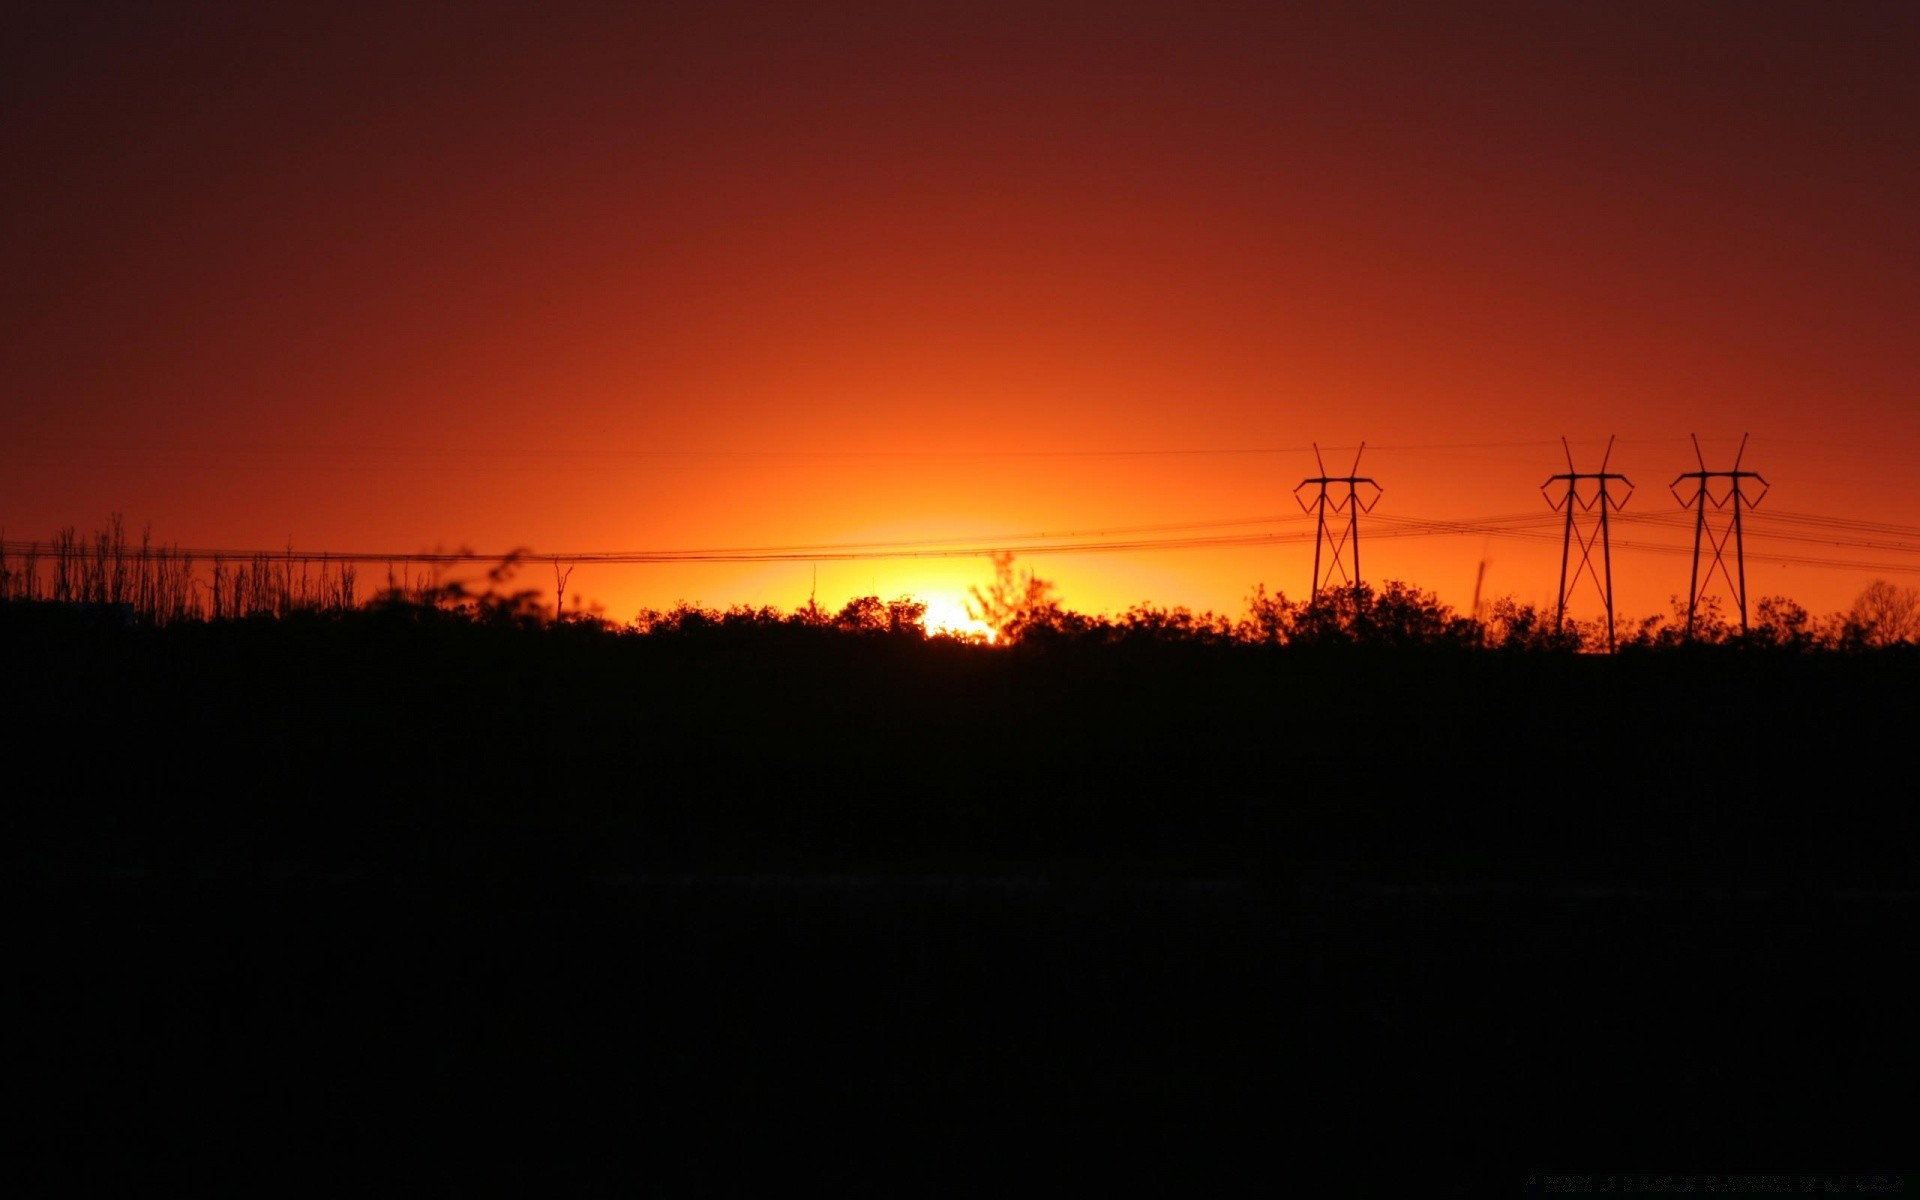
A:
580	277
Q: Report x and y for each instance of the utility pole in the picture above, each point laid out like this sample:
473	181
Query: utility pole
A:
1601	502
1342	544
1731	501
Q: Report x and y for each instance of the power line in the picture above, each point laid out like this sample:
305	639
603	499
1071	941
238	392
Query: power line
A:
1763	528
420	453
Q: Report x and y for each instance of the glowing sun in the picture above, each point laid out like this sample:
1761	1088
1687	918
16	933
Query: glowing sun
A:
946	615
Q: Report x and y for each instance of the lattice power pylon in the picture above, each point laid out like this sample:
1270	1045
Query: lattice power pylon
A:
1343	544
1599	501
1730	502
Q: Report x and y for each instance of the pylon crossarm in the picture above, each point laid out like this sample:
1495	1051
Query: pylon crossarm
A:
1765	487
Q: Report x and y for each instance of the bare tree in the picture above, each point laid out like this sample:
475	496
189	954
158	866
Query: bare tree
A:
1888	613
560	591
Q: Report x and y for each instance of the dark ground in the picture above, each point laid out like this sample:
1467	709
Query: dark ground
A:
400	908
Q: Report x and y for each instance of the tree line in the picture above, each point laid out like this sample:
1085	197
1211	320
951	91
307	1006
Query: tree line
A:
141	582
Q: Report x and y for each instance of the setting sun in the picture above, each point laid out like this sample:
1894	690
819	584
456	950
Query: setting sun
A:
946	615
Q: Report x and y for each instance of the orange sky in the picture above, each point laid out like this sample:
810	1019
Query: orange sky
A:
638	277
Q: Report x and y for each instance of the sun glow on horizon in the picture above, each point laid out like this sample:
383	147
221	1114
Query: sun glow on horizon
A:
946	615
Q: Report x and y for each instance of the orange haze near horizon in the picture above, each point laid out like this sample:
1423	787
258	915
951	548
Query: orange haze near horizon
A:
605	277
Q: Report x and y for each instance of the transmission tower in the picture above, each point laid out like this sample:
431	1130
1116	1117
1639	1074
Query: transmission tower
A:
1598	501
1730	502
1342	544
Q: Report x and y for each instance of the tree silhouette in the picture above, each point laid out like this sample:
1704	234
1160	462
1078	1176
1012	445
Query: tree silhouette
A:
1269	620
870	614
1513	625
1016	603
1397	614
1887	613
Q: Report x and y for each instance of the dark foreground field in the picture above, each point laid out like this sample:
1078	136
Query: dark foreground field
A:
386	906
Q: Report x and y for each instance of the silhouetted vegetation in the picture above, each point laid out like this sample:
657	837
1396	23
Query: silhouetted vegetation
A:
1885	614
437	869
439	687
153	584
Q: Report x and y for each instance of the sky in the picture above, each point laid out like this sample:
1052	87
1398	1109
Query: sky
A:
871	290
